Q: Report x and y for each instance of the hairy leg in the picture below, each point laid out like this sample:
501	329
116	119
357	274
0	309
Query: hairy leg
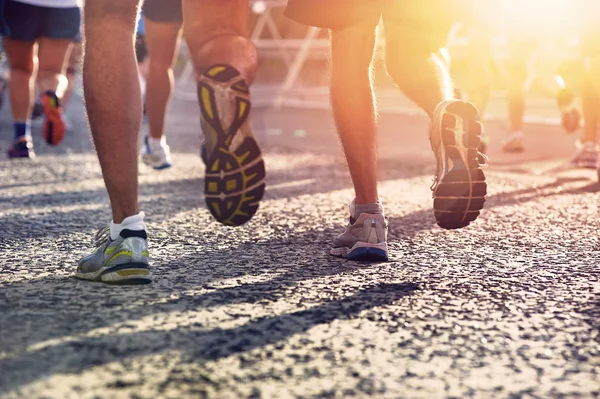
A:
353	106
53	57
113	98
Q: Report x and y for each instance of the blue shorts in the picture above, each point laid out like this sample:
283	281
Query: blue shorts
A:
26	22
170	11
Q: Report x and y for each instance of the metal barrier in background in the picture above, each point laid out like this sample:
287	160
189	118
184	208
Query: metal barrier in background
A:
294	53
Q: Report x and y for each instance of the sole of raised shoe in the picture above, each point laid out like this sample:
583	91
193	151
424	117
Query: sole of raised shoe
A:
54	127
235	174
460	195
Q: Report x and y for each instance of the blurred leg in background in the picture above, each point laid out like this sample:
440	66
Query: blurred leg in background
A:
516	67
163	20
587	147
53	30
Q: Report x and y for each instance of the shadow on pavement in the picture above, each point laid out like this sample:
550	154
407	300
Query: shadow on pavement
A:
73	354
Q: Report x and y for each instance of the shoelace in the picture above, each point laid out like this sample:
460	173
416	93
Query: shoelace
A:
102	236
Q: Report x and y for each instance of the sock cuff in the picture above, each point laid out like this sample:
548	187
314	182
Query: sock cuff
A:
135	222
357	209
153	141
22	128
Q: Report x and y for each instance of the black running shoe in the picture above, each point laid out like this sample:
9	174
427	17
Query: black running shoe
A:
235	170
459	187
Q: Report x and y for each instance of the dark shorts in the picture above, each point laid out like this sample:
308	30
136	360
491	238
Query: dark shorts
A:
26	22
141	51
163	10
423	15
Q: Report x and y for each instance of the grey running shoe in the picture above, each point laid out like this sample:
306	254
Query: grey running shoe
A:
365	238
586	156
513	142
235	170
459	186
157	158
120	261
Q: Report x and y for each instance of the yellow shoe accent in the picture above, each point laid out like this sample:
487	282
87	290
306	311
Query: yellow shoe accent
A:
212	187
243	106
133	272
231	185
215	207
123	252
215	71
206	102
215	166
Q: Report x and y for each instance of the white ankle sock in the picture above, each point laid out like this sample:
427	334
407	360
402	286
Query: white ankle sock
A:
155	143
135	222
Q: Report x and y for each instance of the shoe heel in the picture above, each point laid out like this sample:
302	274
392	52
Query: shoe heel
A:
366	252
127	274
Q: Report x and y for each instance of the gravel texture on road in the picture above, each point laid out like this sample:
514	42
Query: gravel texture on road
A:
508	307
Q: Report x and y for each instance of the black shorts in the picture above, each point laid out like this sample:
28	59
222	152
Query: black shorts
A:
424	15
141	51
164	10
26	22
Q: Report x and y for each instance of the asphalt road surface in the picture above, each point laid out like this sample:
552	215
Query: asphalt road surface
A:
508	307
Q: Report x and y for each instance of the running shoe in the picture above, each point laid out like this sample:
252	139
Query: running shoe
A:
513	142
120	261
570	116
235	170
54	125
157	157
38	110
365	238
22	148
459	186
586	155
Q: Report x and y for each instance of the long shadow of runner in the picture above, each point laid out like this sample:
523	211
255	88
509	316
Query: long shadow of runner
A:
195	343
40	310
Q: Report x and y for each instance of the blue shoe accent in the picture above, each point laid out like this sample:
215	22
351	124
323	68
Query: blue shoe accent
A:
147	145
22	129
163	166
368	255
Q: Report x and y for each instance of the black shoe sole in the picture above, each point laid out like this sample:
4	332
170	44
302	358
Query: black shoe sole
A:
235	180
460	195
